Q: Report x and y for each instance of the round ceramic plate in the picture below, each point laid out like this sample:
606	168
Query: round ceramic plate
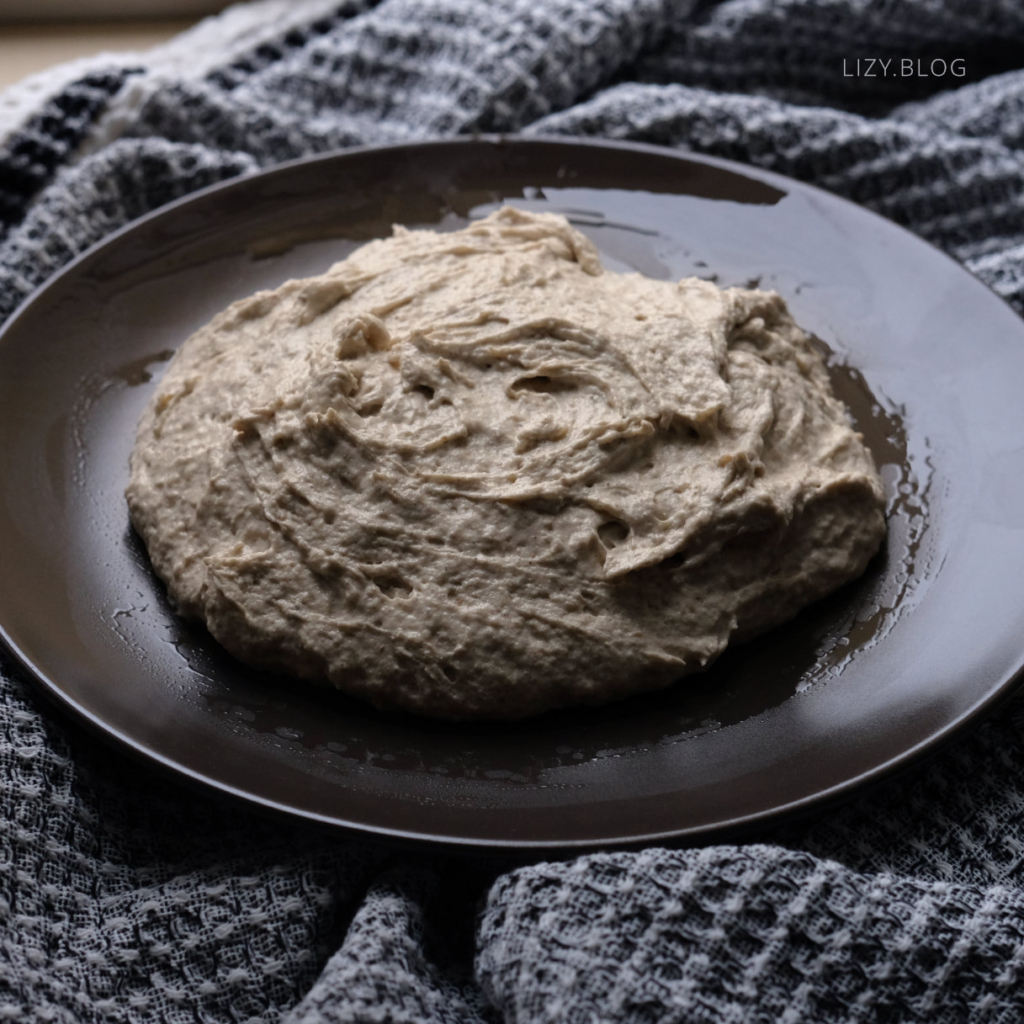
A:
928	359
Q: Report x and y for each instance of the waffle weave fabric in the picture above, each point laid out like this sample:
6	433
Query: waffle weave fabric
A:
127	898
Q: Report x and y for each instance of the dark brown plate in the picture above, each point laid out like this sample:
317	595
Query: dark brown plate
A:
929	359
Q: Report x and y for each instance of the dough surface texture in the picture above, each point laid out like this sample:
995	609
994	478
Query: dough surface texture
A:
475	475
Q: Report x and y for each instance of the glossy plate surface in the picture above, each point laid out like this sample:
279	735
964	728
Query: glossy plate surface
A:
929	360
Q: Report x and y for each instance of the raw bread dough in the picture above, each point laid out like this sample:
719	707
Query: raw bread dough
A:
475	475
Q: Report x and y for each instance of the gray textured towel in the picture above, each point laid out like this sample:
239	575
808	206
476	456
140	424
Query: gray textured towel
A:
126	898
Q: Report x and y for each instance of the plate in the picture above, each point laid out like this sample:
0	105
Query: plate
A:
929	360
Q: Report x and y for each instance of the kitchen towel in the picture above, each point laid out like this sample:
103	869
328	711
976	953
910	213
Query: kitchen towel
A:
126	897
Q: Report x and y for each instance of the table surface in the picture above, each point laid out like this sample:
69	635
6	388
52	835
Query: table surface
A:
26	49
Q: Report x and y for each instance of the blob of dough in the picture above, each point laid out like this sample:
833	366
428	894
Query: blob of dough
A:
475	475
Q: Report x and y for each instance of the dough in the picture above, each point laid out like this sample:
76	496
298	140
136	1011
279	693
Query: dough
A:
475	475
